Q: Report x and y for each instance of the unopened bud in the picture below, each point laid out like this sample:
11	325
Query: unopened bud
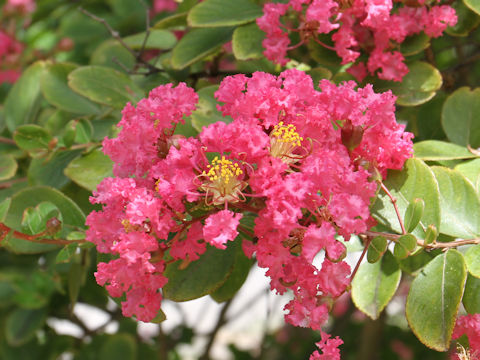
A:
53	226
65	44
351	135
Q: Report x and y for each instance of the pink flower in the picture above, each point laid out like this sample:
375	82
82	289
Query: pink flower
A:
329	348
164	5
221	227
22	7
470	326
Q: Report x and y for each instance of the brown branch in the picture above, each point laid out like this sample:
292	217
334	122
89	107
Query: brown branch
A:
8	141
37	238
365	248
10	183
394	203
220	322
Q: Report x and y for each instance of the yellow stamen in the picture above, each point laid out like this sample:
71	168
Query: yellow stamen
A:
284	139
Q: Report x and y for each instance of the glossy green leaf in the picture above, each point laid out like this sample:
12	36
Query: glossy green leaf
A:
66	253
376	249
72	216
417	87
404	246
375	284
32	137
415	263
49	171
459	203
237	277
119	346
4	206
413	214
434	298
319	73
202	276
473	4
414	44
110	53
173	21
431	234
197	44
471	296
23	100
322	55
104	86
22	324
157	39
416	180
214	13
89	170
247	42
55	89
467	20
461	117
472	259
206	112
76	279
434	150
8	167
34	219
471	170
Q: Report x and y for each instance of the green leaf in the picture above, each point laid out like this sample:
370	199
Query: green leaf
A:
413	214
104	86
34	219
89	170
459	203
206	112
76	278
404	246
23	100
22	324
415	44
239	274
417	87
434	150
471	170
375	284
247	42
417	261
110	53
173	21
49	171
66	253
214	13
157	39
4	206
431	234
32	137
473	4
321	54
119	346
201	277
467	19
434	298
197	44
57	92
72	216
8	167
471	296
376	249
461	117
416	180
472	259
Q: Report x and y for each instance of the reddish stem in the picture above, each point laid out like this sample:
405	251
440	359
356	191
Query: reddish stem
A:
394	203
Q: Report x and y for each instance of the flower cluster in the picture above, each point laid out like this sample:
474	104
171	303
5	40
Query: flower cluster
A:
469	325
372	27
10	53
303	163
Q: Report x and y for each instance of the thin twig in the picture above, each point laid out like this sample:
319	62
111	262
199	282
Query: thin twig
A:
394	203
37	238
116	36
365	248
8	141
10	183
220	322
147	30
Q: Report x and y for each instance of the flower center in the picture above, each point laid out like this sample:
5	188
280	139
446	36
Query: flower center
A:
223	181
284	140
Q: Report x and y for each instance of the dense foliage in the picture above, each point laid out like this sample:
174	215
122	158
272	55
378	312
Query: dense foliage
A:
160	150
